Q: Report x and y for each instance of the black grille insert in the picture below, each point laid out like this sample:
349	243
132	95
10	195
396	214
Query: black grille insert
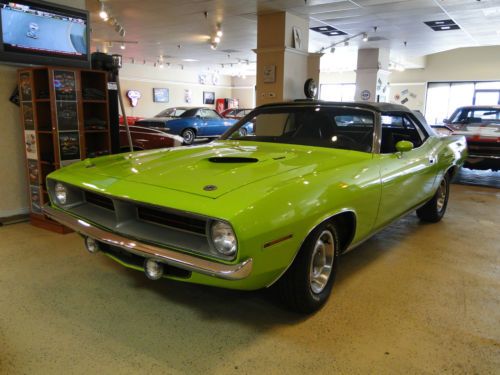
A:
190	224
99	200
484	148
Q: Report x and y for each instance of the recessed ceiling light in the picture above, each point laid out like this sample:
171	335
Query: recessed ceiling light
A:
442	25
190	60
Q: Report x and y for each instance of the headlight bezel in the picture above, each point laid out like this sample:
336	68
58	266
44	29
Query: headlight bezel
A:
225	255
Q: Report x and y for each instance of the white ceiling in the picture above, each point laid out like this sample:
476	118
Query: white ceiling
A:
160	26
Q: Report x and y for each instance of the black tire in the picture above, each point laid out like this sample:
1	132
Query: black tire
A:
434	210
188	135
298	286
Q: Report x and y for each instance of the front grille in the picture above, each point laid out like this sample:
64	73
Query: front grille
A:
99	200
172	220
484	148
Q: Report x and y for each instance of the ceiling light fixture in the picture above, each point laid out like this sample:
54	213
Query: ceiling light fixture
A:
345	42
103	13
122	46
217	39
213	45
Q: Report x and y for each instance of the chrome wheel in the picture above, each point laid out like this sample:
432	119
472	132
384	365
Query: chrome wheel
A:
441	195
321	262
188	136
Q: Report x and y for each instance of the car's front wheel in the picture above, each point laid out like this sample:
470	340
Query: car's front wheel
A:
188	135
308	282
433	211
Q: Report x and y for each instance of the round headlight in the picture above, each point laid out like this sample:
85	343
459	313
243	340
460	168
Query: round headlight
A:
61	193
223	238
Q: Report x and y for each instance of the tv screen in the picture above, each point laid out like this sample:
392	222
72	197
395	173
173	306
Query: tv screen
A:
42	33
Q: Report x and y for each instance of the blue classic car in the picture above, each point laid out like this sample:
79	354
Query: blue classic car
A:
189	122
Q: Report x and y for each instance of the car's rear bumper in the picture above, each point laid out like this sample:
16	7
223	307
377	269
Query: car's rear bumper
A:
180	260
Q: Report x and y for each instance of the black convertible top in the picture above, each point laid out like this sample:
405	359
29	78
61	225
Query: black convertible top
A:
378	107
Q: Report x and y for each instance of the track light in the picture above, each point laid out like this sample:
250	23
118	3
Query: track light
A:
217	39
365	37
213	45
103	14
219	30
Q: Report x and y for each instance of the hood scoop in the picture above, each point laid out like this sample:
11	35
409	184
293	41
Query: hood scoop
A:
232	159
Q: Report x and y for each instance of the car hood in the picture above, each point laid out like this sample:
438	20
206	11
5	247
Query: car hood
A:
218	168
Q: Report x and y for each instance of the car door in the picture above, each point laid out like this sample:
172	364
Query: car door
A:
213	122
407	179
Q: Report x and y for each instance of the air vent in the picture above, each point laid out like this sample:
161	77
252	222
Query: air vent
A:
328	30
99	200
442	25
187	223
230	159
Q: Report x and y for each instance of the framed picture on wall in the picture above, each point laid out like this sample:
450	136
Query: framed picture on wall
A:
160	95
208	97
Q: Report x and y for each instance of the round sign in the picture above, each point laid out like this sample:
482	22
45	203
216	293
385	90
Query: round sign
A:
365	94
310	88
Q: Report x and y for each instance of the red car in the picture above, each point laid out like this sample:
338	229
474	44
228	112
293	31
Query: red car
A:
130	119
147	138
481	127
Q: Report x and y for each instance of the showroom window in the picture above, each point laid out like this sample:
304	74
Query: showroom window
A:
443	98
342	92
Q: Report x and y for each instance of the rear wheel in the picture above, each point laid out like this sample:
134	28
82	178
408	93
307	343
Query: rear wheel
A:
307	284
433	211
189	136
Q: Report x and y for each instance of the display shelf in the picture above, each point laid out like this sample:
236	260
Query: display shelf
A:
94	101
64	112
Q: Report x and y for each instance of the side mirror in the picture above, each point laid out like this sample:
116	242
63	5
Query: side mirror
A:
446	121
404	146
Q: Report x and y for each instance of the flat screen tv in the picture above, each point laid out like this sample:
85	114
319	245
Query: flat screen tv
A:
40	33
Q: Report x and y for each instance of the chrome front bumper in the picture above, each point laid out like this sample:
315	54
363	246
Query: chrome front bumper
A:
173	258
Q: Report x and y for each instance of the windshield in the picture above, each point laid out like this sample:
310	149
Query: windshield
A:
343	128
172	112
476	116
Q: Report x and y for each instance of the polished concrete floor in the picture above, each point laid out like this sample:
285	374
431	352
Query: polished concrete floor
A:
415	299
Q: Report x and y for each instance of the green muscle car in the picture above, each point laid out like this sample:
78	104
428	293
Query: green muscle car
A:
274	206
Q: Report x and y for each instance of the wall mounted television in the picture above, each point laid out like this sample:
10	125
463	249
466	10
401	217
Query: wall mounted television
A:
40	33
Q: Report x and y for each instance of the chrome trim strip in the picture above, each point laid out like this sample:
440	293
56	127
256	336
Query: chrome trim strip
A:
174	258
470	156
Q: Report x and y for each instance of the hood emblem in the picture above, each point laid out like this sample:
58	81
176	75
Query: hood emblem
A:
210	188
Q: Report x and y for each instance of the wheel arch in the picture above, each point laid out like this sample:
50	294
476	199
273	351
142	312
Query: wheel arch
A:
345	221
452	171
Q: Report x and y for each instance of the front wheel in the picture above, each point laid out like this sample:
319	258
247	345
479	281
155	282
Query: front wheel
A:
307	284
433	211
188	135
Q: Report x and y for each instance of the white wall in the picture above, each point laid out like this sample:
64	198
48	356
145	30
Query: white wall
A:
144	78
463	64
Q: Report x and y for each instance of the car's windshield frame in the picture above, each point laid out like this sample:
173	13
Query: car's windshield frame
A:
342	110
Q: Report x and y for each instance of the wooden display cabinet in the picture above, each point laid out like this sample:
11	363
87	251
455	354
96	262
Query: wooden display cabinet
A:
64	113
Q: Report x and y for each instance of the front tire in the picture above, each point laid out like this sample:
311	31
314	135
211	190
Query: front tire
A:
307	284
433	211
188	135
